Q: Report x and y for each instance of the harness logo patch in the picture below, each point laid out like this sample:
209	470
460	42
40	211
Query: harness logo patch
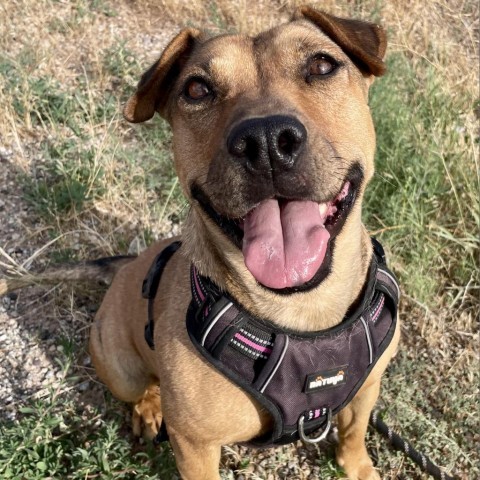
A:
326	379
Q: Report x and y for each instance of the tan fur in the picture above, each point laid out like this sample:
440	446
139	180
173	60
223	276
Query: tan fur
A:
101	271
253	78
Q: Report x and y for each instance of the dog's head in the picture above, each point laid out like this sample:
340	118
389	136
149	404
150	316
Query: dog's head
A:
273	141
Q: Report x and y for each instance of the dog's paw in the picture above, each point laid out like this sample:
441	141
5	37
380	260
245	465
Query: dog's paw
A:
147	414
362	472
359	470
367	473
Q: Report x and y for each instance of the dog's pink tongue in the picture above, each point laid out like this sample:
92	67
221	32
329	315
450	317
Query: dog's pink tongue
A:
284	246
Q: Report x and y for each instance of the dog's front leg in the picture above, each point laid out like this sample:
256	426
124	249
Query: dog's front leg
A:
352	426
195	460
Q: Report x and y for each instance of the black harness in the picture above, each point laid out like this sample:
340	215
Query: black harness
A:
302	379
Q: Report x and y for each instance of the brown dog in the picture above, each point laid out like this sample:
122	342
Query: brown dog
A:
274	146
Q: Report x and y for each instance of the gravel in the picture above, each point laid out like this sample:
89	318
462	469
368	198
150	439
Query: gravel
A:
28	346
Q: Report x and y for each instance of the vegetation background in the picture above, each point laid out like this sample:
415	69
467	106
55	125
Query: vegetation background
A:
77	181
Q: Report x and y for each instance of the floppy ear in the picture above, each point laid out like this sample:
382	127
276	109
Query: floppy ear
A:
364	42
155	84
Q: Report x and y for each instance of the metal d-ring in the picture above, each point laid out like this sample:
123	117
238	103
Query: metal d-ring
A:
321	437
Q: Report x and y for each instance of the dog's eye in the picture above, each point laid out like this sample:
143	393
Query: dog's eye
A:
196	89
322	65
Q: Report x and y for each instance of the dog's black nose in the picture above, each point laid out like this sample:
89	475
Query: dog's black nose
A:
268	143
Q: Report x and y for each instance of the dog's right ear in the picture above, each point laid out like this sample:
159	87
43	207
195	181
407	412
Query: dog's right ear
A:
154	86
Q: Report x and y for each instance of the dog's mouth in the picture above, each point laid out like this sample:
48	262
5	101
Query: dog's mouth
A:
287	243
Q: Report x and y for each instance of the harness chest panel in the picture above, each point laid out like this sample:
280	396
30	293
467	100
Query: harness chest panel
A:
300	378
293	375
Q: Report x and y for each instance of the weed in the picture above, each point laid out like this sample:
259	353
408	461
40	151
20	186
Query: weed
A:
121	63
57	438
68	179
426	419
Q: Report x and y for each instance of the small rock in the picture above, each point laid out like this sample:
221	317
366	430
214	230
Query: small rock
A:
84	386
45	335
137	245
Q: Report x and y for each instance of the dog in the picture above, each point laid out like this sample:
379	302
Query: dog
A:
273	147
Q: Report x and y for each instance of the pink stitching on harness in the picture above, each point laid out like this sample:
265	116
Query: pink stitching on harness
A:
379	309
255	346
197	287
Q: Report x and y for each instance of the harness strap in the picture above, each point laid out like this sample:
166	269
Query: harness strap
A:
151	284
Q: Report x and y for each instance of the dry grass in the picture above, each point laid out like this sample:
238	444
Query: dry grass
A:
92	185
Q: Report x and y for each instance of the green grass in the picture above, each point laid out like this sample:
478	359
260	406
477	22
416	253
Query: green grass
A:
424	198
58	438
424	204
90	154
66	435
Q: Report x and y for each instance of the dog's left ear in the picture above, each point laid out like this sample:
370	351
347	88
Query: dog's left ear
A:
364	42
155	85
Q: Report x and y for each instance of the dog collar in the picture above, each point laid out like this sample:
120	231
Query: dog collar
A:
301	378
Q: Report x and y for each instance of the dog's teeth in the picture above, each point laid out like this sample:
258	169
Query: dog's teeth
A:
323	207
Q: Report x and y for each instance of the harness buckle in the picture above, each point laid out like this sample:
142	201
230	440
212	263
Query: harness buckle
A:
323	434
